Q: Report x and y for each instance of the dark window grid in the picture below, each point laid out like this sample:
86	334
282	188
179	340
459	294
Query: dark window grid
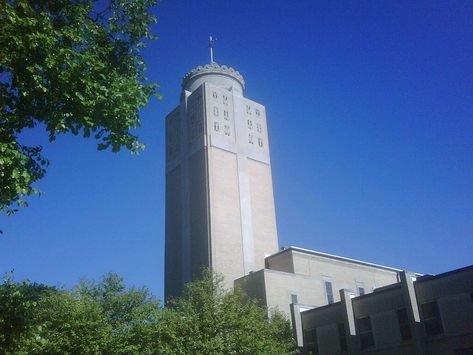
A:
365	332
342	337
431	318
310	341
404	326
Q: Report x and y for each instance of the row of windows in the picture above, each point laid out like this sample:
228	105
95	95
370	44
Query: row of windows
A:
224	98
226	128
249	111
216	113
259	127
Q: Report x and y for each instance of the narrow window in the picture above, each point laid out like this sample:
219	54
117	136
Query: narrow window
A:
404	326
225	100
216	127
361	291
342	337
250	124
226	129
250	139
248	110
258	127
293	298
215	111
329	291
432	320
260	142
225	114
214	94
257	112
365	331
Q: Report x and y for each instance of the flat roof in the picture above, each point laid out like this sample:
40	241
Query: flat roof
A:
331	256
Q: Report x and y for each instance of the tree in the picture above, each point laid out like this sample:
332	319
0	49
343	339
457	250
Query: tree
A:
210	320
68	66
103	318
109	318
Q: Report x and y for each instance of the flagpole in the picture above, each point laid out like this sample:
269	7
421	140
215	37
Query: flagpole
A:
211	42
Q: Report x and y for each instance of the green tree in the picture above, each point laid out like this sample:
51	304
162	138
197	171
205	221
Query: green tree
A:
210	320
103	318
68	66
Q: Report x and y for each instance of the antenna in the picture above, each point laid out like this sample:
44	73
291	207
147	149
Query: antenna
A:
211	43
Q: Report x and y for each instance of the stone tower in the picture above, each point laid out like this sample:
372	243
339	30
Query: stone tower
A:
219	193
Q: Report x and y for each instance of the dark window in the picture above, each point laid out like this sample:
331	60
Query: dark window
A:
258	127
250	139
216	127
365	331
215	111
293	298
329	291
361	291
225	100
257	112
225	114
226	129
248	110
260	142
310	341
342	337
431	318
250	124
214	94
404	326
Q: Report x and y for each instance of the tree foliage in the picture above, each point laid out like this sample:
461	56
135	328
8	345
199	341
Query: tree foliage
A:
211	320
69	66
109	318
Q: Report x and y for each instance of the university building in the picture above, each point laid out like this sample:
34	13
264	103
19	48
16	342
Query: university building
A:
220	214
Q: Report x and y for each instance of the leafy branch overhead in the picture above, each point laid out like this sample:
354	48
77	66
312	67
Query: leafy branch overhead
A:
71	67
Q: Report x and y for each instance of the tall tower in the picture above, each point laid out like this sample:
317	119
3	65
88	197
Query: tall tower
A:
219	193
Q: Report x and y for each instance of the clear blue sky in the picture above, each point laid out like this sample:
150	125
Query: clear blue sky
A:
370	113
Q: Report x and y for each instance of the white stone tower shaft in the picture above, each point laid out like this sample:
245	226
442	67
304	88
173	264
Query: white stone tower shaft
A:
219	195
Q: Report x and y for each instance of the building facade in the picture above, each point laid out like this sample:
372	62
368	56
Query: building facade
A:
418	315
219	193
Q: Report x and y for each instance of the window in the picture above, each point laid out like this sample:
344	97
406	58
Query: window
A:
216	127
214	94
361	291
293	298
432	319
260	142
225	100
342	337
248	110
250	124
250	139
215	111
257	113
258	127
365	332
225	114
404	326
329	291
226	129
